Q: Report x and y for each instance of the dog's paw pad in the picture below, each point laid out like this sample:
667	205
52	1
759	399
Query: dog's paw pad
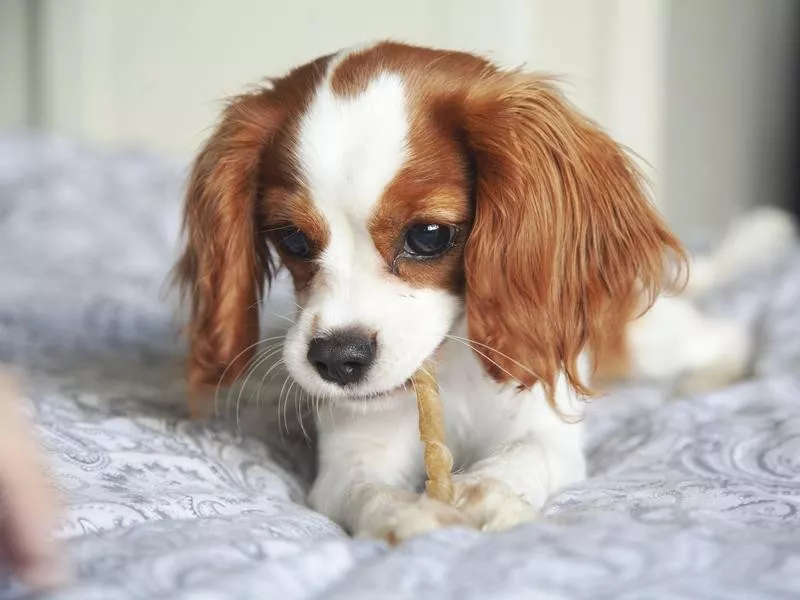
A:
491	505
416	519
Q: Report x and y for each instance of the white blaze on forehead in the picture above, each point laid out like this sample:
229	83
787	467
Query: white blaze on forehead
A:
351	147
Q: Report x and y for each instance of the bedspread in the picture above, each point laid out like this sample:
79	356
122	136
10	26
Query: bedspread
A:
688	497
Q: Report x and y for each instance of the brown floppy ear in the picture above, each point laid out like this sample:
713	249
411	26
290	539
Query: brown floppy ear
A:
222	269
565	247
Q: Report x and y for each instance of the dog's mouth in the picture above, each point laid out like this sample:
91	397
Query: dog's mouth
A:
408	384
367	391
405	386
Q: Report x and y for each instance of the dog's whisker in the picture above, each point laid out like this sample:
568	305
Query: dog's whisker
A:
478	352
269	375
286	407
310	411
317	400
271	229
300	417
257	362
284	317
290	398
225	371
243	384
278	409
471	342
285	403
281	363
231	363
278	364
326	398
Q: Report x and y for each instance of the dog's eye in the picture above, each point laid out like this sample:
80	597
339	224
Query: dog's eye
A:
428	240
294	242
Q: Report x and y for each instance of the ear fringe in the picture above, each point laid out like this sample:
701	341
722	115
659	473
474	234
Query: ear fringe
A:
565	247
221	271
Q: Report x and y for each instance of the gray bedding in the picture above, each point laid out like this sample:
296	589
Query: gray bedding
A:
689	497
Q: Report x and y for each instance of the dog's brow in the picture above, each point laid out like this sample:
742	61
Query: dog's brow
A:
441	208
439	215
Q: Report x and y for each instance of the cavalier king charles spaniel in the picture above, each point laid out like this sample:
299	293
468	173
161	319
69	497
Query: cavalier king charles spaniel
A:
429	204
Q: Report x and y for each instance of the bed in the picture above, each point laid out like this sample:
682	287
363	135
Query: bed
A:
689	497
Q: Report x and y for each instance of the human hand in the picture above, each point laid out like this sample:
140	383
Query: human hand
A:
28	505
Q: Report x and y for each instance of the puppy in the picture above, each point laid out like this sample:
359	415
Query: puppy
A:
426	204
28	506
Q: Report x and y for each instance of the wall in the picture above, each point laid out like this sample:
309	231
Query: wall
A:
727	99
153	72
15	56
692	86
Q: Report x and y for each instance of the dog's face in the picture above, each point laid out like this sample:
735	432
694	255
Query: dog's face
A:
373	234
404	188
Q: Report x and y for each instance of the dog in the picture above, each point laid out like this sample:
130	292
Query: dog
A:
429	204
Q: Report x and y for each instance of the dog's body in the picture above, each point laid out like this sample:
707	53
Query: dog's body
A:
427	203
552	252
507	445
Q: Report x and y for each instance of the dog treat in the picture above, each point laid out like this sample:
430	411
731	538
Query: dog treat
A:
438	459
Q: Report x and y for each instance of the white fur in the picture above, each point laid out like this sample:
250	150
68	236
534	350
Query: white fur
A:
349	150
756	239
513	449
371	460
676	340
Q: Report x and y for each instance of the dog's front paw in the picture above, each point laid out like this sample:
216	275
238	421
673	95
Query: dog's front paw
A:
416	518
491	505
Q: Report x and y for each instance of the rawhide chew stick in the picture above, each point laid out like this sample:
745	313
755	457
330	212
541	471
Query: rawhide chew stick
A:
438	459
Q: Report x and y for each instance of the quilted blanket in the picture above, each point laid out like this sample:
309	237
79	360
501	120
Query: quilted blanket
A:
688	497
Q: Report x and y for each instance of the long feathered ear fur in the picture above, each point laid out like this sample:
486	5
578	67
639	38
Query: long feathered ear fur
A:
565	248
222	270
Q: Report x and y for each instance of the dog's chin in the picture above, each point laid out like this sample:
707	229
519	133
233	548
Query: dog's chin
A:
361	396
379	393
368	395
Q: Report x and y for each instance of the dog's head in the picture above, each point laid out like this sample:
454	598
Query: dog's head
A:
405	188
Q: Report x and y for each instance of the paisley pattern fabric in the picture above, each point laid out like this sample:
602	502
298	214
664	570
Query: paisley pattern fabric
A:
689	497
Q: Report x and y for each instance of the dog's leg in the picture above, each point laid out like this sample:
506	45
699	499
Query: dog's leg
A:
514	480
674	340
369	472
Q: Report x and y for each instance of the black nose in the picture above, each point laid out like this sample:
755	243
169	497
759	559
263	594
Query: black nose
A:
342	357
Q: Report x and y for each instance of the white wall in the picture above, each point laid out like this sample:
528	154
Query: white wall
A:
153	72
14	64
683	83
727	99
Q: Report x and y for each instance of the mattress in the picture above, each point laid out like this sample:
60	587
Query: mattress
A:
688	496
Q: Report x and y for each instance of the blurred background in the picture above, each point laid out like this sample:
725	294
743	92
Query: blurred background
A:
703	90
